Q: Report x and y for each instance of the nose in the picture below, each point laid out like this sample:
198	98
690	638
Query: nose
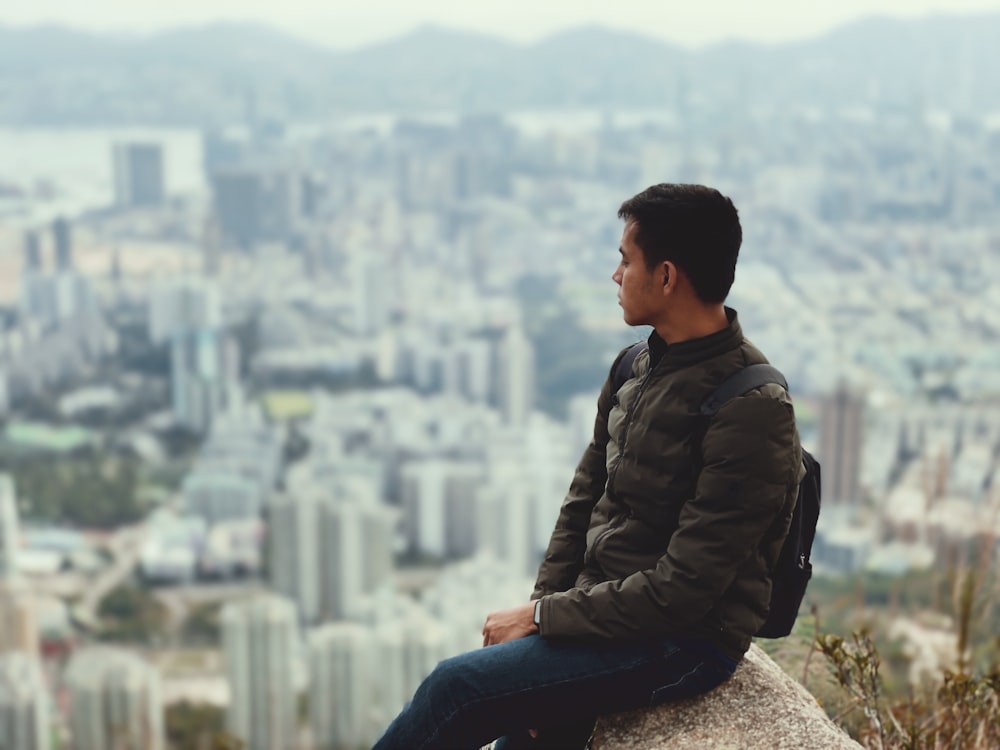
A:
617	275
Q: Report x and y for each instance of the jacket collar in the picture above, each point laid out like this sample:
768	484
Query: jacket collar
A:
692	351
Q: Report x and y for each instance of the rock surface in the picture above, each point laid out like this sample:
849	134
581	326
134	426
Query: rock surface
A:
759	707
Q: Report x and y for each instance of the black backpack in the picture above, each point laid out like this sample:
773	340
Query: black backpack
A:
793	570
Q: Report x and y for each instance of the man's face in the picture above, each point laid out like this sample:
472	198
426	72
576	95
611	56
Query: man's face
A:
640	292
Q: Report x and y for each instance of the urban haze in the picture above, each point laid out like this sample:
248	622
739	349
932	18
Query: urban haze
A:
299	347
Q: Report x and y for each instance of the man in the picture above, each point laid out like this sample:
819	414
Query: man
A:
657	574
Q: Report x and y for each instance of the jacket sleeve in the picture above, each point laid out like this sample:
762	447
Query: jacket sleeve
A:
750	464
564	555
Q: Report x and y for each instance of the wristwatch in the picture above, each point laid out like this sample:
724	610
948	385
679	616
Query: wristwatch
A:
538	614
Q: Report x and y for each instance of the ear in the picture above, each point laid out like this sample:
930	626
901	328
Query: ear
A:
668	276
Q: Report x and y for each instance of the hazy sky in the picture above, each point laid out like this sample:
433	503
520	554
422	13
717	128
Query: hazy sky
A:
350	24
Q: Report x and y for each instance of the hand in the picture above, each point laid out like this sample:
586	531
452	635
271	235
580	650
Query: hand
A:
509	624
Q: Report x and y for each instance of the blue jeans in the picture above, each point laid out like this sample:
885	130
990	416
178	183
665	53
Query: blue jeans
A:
558	687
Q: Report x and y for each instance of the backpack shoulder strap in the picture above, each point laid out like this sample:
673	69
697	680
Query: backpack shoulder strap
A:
623	370
740	382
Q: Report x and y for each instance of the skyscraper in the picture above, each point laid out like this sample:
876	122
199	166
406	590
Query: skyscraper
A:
517	377
294	536
62	237
255	205
204	367
237	197
18	623
378	529
115	701
327	553
840	442
373	293
138	170
9	528
342	559
341	672
179	306
32	251
259	640
25	716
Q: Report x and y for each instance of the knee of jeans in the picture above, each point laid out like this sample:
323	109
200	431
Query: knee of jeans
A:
446	671
446	678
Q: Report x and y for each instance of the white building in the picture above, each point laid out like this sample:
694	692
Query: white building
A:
232	548
138	174
294	532
18	621
373	291
259	640
56	297
25	707
183	305
517	377
438	497
222	496
9	528
204	376
115	701
341	673
326	553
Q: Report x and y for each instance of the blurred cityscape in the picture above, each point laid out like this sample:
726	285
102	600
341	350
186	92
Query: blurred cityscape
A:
290	399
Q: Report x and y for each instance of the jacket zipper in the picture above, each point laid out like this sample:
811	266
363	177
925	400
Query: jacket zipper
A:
628	423
612	526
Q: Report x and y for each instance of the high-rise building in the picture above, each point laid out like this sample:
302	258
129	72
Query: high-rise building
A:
237	199
840	442
221	150
32	251
422	490
474	371
517	377
18	622
327	553
259	639
342	558
204	376
63	240
9	528
439	514
426	642
25	713
390	691
341	672
373	293
138	170
115	701
57	296
179	306
216	495
378	530
506	515
255	205
294	538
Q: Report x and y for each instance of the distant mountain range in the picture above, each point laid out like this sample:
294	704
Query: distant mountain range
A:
200	76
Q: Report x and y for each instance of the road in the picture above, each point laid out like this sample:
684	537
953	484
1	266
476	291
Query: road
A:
125	545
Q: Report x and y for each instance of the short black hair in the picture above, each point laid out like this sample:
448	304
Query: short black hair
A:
693	226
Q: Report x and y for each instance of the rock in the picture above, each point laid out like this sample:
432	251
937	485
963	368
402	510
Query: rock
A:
759	707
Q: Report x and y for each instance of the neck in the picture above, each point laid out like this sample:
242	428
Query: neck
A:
696	322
